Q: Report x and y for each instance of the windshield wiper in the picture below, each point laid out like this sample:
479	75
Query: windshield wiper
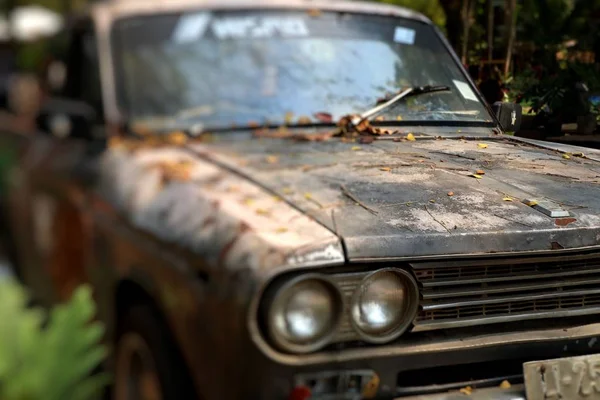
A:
413	91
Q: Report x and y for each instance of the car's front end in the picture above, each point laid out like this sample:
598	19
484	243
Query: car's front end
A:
429	255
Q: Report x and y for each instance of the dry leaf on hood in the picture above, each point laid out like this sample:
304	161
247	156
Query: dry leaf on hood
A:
450	194
467	390
379	118
482	145
480	172
505	385
308	196
566	156
323	117
399	118
507	198
410	137
262	211
476	176
386	169
355	148
281	230
289	117
531	203
272	159
287	190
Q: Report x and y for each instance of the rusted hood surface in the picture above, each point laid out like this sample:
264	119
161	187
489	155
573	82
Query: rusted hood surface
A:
420	198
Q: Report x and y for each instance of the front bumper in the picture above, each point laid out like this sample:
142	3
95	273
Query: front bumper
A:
444	357
515	392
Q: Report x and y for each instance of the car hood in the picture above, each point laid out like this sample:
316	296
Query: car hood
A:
427	197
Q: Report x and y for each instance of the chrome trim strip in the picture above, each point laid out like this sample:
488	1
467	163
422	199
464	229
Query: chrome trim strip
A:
516	392
513	277
506	289
500	300
422	326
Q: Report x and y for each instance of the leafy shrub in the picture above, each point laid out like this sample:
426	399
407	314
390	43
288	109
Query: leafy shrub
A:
49	356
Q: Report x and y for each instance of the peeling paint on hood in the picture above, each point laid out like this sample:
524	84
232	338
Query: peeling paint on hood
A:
406	186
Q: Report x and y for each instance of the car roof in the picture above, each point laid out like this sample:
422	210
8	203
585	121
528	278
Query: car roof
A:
116	9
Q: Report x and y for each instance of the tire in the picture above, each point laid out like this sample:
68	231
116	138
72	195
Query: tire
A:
144	342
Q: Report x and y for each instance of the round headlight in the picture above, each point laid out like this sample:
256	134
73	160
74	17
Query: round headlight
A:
304	314
384	305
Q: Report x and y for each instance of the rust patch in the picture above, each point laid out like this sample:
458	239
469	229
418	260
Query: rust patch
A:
564	221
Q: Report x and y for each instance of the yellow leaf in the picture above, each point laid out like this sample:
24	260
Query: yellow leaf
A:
276	199
354	148
399	118
262	211
307	196
287	190
380	118
248	201
476	176
507	198
466	390
532	203
289	117
177	138
432	201
385	169
505	385
579	155
272	159
410	137
482	145
566	156
281	230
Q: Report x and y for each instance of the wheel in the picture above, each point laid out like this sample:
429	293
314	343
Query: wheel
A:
148	365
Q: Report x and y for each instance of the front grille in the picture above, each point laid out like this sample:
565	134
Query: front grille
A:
471	293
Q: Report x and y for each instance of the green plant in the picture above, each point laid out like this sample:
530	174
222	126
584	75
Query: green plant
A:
49	356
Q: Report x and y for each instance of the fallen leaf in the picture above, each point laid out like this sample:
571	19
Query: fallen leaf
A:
304	120
505	385
399	118
177	138
281	230
262	211
314	12
410	137
289	117
480	172
323	117
432	201
272	159
467	390
355	148
482	145
566	156
450	194
380	118
476	176
507	198
248	201
578	155
564	221
308	196
287	190
532	203
387	169
459	131
276	199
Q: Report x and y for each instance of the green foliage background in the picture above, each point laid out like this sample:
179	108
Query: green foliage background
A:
49	356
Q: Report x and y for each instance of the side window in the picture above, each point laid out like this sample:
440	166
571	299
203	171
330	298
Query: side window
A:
83	68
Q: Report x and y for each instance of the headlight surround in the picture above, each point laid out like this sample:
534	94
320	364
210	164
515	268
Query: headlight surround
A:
304	313
384	305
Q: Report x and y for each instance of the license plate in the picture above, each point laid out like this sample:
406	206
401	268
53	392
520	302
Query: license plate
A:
573	378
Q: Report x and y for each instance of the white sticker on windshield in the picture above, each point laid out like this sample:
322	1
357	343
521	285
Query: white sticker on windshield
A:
404	35
191	27
465	90
253	27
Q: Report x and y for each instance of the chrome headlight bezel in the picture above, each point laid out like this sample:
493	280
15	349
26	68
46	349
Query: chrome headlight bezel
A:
409	312
276	309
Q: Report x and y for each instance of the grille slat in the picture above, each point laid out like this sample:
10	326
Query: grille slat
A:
455	295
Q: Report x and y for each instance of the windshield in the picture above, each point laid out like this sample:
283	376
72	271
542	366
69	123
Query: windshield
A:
224	68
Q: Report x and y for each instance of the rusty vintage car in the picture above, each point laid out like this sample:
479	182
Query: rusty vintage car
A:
304	199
